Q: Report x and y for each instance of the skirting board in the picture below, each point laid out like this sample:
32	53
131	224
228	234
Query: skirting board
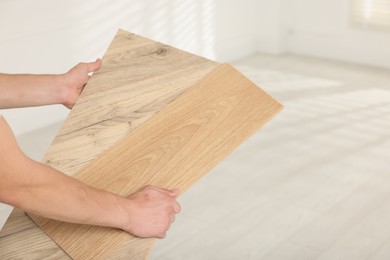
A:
174	148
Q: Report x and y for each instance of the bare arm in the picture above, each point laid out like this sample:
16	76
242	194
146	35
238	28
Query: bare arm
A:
42	190
25	90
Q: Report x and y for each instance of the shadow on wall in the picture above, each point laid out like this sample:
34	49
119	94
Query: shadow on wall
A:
53	35
188	25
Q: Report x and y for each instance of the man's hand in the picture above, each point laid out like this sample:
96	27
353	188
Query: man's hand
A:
26	90
74	80
151	211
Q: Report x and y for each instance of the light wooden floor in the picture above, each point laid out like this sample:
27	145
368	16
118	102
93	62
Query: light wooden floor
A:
312	184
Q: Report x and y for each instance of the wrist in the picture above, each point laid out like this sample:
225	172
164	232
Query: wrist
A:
122	217
60	91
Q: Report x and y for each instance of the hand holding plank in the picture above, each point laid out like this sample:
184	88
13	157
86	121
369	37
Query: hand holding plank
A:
75	79
151	211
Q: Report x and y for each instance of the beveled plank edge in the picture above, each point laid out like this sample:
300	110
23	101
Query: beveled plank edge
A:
122	33
15	247
17	222
32	224
277	107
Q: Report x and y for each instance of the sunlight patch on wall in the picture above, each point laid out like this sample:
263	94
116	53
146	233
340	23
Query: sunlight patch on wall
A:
371	14
188	25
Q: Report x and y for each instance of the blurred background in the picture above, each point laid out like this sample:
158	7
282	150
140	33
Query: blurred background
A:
314	182
51	36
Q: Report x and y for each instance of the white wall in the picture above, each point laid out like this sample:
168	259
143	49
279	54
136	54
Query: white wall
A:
322	28
50	36
271	26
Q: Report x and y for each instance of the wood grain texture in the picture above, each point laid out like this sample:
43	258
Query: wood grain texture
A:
18	222
22	239
15	247
138	78
174	148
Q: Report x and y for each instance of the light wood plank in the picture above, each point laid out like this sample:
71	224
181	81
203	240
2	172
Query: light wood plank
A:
351	214
30	243
173	149
364	239
18	221
383	253
138	78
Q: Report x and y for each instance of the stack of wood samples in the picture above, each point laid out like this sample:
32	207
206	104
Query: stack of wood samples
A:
154	115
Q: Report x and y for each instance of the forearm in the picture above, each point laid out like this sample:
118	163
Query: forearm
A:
23	90
42	190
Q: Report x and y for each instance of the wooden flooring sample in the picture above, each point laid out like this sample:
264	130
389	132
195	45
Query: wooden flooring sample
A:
177	115
138	78
174	148
22	239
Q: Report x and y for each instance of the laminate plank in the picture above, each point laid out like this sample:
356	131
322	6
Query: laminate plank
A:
30	243
138	78
352	214
174	148
383	253
364	239
18	221
267	235
21	238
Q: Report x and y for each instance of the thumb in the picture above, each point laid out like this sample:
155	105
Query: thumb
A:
94	66
175	192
